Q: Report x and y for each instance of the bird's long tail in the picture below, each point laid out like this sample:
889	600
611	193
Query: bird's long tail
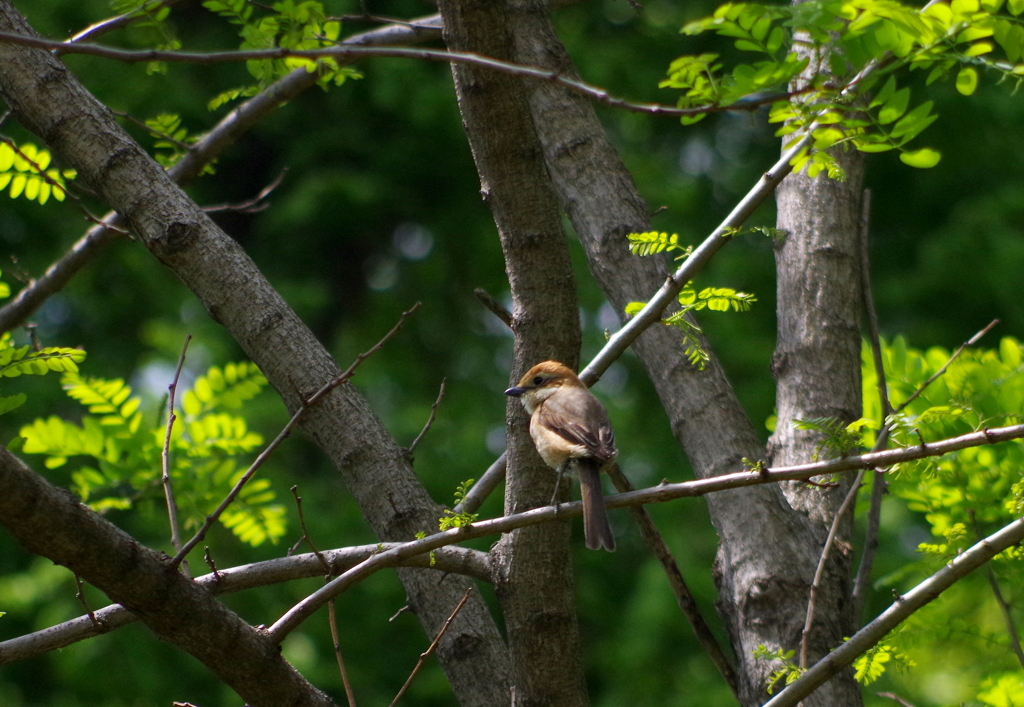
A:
596	530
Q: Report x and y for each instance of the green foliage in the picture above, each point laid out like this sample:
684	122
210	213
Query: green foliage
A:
755	466
838	440
961	496
717	299
169	134
980	487
451	519
206	447
853	34
25	171
785	674
1006	690
653	242
17	361
774	233
873	664
289	25
867	668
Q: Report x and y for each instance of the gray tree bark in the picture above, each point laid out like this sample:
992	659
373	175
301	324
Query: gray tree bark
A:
52	523
817	366
533	568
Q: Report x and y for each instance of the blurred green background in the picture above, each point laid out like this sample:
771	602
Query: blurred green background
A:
380	208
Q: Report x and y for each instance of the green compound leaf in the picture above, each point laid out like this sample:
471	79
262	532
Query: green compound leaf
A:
25	171
894	107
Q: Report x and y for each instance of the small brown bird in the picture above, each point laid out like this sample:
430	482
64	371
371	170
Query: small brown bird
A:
570	429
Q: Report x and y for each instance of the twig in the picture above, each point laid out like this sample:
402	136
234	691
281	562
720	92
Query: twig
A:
376	19
433	646
112	23
819	572
305	534
684	597
993	583
658	494
165	461
167	137
878	480
332	617
265	454
595	93
494	306
956	354
903	607
80	596
430	419
893	696
254	205
208	559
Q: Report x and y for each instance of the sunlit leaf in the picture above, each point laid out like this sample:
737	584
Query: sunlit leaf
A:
923	158
967	80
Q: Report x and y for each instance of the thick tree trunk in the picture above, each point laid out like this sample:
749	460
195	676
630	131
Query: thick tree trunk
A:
533	569
817	365
51	523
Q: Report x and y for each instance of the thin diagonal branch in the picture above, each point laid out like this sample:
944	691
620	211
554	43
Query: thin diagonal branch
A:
430	418
684	597
993	583
956	354
879	484
255	204
819	572
878	489
112	23
165	461
430	650
904	606
265	454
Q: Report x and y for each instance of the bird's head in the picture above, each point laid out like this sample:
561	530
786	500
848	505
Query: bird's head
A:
541	381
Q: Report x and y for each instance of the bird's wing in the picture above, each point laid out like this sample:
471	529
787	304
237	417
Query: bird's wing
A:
581	420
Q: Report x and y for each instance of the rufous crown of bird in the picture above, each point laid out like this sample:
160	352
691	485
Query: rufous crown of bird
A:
571	431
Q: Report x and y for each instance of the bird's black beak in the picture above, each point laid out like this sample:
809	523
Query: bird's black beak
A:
515	392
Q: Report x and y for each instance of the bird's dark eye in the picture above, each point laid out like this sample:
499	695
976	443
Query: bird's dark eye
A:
538	380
